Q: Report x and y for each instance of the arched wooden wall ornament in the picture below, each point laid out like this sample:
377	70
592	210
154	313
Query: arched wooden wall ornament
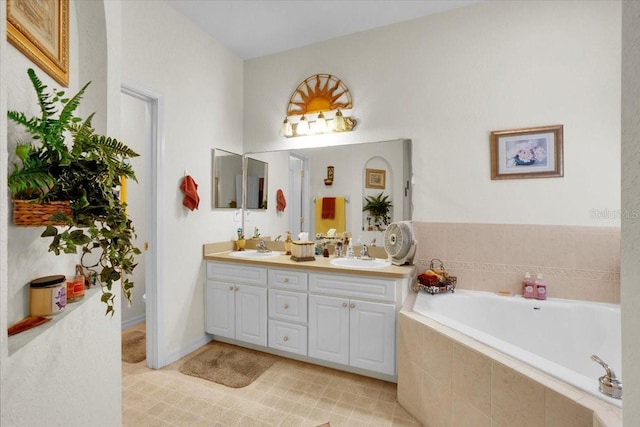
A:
318	94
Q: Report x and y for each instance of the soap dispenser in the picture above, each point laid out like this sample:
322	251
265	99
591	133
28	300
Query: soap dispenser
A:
287	244
350	249
527	286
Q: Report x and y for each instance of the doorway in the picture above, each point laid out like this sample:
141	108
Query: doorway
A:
142	112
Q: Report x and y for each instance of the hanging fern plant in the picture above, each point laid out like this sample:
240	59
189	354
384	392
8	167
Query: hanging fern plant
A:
86	173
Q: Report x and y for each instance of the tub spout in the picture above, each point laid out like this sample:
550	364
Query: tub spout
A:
609	383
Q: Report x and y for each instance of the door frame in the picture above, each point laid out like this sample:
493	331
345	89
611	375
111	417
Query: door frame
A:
154	216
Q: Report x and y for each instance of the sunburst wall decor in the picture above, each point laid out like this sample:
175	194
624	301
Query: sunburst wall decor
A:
320	93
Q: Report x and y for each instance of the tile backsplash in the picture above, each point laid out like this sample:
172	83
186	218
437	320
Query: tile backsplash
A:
576	262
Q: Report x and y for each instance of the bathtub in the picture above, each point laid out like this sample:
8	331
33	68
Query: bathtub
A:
555	336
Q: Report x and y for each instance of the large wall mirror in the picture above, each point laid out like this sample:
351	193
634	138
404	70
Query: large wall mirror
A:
301	174
227	179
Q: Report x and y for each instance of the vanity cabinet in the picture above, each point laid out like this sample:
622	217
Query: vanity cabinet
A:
347	329
236	302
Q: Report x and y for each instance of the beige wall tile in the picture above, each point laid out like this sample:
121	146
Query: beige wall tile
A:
471	378
521	244
466	415
594	251
562	412
489	243
459	244
596	290
437	355
431	240
556	247
516	400
489	281
436	407
410	337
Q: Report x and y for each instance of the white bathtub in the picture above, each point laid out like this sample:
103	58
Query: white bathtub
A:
556	336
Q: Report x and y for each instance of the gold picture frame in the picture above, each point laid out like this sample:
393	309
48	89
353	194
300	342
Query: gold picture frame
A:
527	153
40	30
375	178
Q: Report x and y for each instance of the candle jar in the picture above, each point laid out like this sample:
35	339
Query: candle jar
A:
47	295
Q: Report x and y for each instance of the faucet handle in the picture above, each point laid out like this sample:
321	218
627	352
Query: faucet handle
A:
609	383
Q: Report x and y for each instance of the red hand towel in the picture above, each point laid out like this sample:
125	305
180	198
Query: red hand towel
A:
282	202
328	207
190	189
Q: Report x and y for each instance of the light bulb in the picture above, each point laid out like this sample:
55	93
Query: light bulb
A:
339	121
321	123
303	126
286	129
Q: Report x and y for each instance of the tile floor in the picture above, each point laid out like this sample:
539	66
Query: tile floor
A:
290	393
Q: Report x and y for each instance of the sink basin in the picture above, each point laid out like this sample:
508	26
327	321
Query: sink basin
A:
360	263
253	254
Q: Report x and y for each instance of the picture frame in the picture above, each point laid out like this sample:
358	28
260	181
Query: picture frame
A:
375	178
40	30
527	153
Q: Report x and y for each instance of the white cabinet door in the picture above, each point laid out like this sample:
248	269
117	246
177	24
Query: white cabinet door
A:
251	314
220	309
372	330
329	328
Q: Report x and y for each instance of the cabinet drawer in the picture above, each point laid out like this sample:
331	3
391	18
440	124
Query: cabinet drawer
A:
290	306
288	337
287	279
236	273
352	286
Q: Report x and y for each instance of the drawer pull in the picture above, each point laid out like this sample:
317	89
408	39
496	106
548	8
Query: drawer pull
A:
286	280
344	304
236	289
352	305
285	339
230	288
286	306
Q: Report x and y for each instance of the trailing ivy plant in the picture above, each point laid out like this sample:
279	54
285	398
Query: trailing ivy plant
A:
86	173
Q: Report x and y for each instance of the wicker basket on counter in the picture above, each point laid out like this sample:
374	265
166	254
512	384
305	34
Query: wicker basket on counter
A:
26	213
437	284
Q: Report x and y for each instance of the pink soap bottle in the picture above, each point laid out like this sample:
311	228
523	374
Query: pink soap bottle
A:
540	288
527	286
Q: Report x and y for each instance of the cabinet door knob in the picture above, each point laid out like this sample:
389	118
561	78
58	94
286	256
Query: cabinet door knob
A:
344	304
286	280
230	288
236	289
352	305
285	339
285	306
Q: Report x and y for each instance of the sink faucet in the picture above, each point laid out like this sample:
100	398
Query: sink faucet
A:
364	252
262	247
609	383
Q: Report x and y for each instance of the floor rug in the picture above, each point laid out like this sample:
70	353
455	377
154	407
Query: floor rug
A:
134	346
227	364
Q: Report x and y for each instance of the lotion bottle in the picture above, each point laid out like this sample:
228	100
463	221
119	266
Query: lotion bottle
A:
527	286
540	288
350	249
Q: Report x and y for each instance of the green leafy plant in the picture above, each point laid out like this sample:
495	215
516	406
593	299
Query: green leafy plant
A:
378	207
86	173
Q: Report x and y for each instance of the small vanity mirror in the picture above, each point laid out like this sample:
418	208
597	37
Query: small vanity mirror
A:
227	179
257	173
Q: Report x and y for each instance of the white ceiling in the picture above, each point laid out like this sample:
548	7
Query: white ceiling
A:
254	28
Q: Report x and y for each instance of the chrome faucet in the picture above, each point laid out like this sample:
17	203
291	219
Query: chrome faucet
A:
262	247
609	383
364	252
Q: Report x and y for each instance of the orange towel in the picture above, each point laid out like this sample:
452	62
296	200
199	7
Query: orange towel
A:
328	207
190	189
282	202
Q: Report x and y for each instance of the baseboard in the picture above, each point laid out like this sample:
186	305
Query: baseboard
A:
133	322
177	355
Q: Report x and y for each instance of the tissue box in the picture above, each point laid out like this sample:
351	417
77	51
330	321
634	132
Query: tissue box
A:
302	251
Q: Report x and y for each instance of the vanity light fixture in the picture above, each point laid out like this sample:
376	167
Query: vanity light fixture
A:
317	95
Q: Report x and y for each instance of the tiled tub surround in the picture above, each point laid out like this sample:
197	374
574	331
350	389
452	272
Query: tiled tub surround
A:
446	378
577	262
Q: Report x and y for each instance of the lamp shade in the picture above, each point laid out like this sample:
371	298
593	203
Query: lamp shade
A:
303	126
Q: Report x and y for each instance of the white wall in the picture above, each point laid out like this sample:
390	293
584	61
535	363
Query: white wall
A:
446	81
630	268
201	83
85	343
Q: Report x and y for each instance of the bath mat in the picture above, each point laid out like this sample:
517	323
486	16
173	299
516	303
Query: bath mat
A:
227	364
134	346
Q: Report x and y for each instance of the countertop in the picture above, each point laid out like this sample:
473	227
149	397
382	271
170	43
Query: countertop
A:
321	264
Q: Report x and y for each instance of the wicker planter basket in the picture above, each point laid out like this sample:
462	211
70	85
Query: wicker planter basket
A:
29	214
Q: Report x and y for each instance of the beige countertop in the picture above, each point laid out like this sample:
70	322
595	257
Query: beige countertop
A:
320	264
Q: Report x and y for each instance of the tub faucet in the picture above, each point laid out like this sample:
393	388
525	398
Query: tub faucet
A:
262	247
609	383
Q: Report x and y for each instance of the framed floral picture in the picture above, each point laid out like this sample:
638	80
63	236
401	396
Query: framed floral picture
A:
375	178
40	30
527	153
